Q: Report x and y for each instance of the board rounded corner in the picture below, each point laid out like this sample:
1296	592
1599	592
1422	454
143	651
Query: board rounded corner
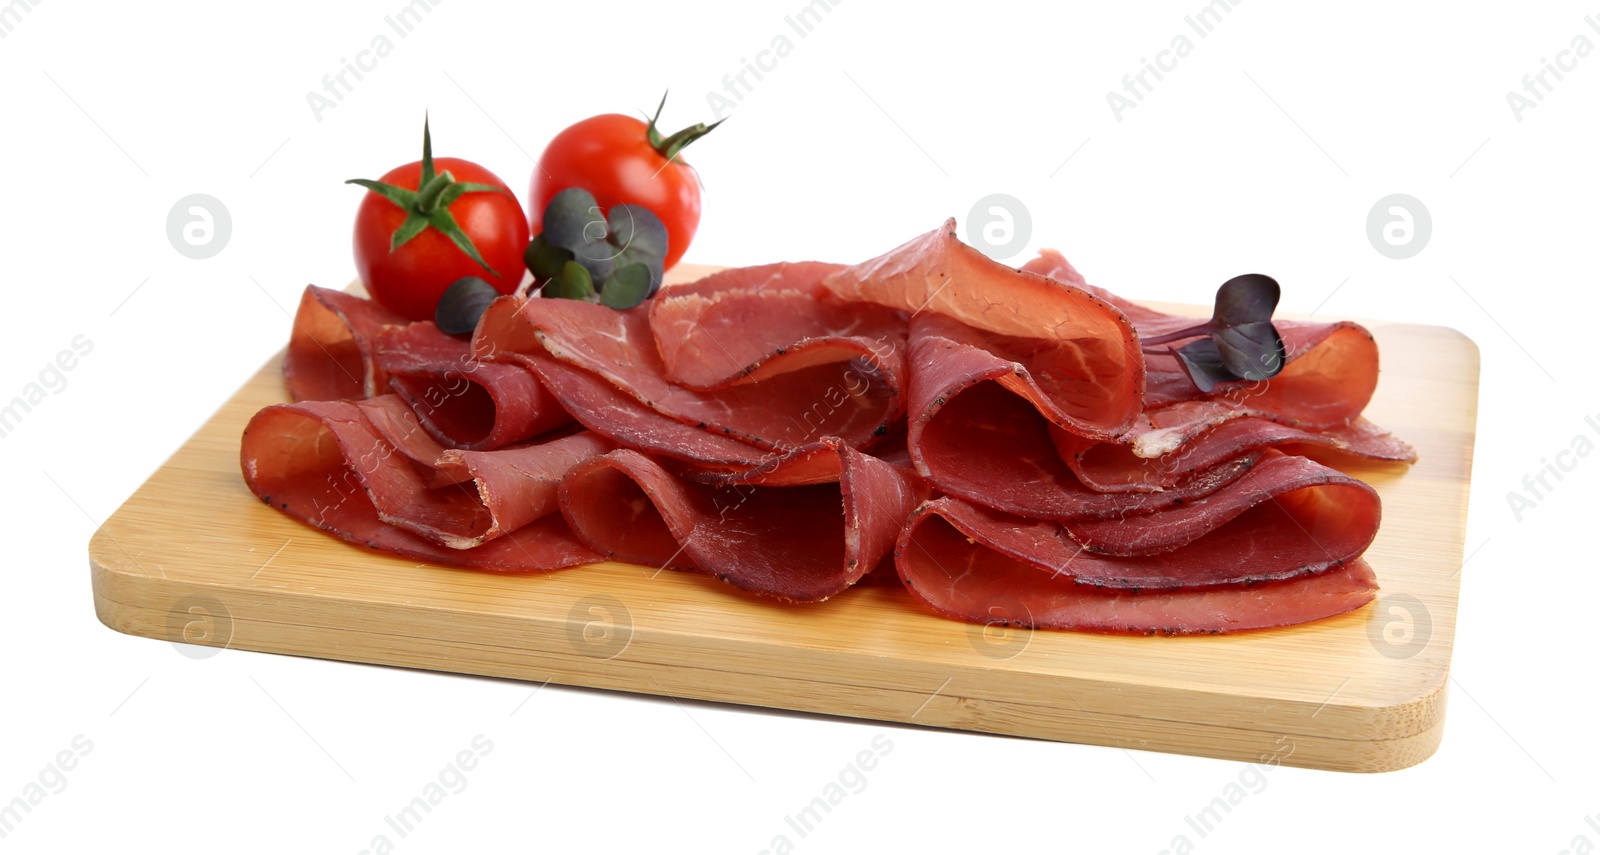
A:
103	580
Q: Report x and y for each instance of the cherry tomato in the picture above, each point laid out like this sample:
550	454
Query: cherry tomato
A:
411	278
623	160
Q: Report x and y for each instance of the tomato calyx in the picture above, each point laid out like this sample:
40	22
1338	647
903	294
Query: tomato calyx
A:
428	206
669	146
613	258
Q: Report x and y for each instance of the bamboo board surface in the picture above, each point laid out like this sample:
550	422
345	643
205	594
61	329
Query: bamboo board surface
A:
193	556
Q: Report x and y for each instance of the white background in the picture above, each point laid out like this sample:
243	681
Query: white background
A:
1263	150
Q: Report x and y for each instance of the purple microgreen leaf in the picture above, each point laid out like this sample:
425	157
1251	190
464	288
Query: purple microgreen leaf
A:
1177	335
1246	340
1252	351
1241	342
1203	363
1246	299
462	304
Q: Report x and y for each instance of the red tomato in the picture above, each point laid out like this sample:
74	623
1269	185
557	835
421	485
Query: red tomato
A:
611	156
411	279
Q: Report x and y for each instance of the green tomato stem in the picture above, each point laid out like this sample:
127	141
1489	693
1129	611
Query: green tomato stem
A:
428	196
669	146
429	205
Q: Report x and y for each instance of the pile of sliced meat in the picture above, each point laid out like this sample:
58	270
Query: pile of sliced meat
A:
994	439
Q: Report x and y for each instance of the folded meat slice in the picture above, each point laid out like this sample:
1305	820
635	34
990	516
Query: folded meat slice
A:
702	454
992	447
396	424
325	463
1327	380
797	544
744	324
854	400
519	485
461	401
1287	512
1075	353
1114	467
977	565
330	349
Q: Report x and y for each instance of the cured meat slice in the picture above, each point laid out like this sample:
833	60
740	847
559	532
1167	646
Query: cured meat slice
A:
393	420
744	324
1252	548
1286	512
519	485
979	566
480	496
460	401
322	463
1327	380
1078	352
1114	467
798	544
992	447
604	409
330	350
702	455
705	452
853	400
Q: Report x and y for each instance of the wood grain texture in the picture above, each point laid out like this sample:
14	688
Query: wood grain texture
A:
193	556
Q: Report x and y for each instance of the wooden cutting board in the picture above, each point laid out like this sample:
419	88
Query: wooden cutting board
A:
193	556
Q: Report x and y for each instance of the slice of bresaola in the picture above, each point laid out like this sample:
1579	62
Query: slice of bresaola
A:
797	544
981	566
1113	467
1070	350
1328	379
744	324
1287	515
326	464
461	401
703	455
330	349
854	400
992	447
762	426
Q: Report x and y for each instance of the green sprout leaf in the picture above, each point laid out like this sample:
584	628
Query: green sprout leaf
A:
621	253
544	258
574	222
572	283
462	304
629	287
640	238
